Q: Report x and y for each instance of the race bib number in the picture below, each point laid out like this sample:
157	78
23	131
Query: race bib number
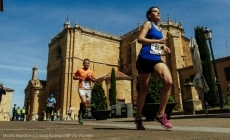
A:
50	104
156	49
86	84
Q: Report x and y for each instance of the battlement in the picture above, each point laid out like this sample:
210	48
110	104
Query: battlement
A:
169	22
96	32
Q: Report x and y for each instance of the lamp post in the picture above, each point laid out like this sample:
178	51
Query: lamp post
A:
208	36
227	46
1	5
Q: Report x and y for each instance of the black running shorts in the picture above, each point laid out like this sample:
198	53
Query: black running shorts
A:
146	66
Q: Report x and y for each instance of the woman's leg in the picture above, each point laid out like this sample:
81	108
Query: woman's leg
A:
164	74
144	84
162	71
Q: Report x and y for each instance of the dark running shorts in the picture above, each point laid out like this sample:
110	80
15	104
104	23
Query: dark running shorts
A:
146	66
49	109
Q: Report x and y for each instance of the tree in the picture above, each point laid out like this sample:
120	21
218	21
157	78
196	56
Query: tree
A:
211	96
155	85
112	91
98	100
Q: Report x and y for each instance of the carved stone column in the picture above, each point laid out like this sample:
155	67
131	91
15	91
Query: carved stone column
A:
35	104
191	98
34	74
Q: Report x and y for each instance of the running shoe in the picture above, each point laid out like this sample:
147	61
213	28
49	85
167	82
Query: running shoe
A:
80	121
80	117
139	125
162	119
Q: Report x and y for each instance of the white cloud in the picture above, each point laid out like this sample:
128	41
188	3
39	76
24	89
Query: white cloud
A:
8	82
19	68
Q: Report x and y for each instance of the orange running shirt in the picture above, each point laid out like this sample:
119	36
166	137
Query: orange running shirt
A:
84	83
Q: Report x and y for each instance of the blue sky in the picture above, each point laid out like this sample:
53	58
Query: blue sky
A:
27	26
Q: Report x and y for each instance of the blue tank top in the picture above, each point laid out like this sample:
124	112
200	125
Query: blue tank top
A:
145	50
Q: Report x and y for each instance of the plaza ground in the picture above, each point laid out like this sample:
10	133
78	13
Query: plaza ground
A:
186	127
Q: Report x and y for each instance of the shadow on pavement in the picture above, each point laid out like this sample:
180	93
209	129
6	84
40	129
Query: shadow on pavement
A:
109	128
203	116
197	116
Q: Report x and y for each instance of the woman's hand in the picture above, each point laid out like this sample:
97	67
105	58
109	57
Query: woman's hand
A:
165	49
162	40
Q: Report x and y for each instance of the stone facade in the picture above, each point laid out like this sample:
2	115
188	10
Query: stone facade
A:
222	65
123	86
35	96
73	44
191	100
5	109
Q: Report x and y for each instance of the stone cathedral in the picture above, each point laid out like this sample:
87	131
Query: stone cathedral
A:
106	51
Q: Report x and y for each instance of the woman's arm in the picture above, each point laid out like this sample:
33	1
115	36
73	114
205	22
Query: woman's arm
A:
142	36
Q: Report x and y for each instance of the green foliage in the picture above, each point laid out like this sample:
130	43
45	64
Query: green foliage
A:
171	99
155	86
211	96
112	91
98	100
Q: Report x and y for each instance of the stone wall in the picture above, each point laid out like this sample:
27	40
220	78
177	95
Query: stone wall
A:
4	116
5	107
124	90
187	73
191	101
129	51
35	96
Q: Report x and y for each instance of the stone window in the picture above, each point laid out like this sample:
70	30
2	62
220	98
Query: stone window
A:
227	73
58	53
129	54
120	101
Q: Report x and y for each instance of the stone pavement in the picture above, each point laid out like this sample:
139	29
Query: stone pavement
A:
186	127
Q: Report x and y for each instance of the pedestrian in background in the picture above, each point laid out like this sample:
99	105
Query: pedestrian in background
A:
36	117
59	114
23	113
2	91
50	107
43	115
69	113
14	112
18	114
